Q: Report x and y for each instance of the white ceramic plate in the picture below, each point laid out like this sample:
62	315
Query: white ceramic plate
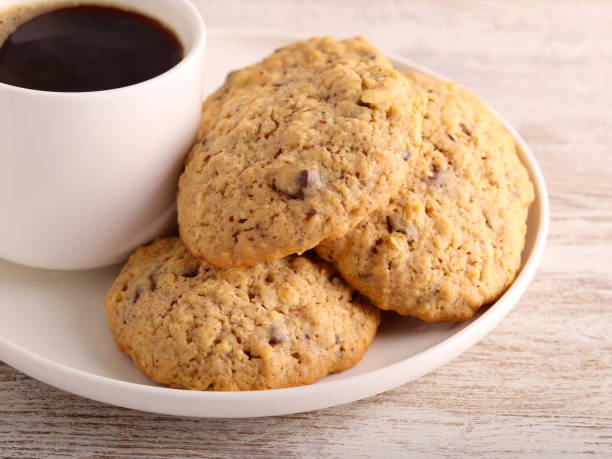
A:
54	329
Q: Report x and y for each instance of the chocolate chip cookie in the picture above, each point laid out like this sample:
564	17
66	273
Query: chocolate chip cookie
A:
295	149
189	324
451	239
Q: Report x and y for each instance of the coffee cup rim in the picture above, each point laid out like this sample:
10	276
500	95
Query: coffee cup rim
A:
192	54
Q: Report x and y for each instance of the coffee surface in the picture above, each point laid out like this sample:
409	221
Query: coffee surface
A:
87	48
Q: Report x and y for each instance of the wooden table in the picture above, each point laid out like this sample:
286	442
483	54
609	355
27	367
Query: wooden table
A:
541	382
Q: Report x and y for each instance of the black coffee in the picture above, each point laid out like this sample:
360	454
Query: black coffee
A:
87	48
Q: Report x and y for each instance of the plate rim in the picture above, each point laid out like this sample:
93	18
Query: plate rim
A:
171	401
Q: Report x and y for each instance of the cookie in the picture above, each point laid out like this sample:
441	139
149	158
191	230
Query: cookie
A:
297	148
188	324
450	240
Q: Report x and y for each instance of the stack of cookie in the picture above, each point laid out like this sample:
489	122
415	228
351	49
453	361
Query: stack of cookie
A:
407	185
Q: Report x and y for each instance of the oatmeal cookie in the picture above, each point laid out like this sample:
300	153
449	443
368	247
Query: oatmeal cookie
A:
295	149
189	324
451	239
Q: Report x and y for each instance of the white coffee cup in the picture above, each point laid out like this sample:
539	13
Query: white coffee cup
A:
86	177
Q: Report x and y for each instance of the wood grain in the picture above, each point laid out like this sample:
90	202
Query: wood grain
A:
539	384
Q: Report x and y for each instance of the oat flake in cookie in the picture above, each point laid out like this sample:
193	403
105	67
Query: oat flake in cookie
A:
297	148
451	239
191	325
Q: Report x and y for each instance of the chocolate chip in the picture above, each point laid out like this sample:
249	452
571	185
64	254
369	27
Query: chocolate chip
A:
204	141
307	337
303	179
451	137
322	121
406	155
277	335
242	220
311	213
229	355
136	296
191	271
437	177
152	282
465	129
297	187
372	57
390	225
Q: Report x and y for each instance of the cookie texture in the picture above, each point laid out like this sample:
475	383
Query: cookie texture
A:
191	325
451	239
295	149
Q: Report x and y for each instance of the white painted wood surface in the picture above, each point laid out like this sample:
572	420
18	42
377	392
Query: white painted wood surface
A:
541	383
